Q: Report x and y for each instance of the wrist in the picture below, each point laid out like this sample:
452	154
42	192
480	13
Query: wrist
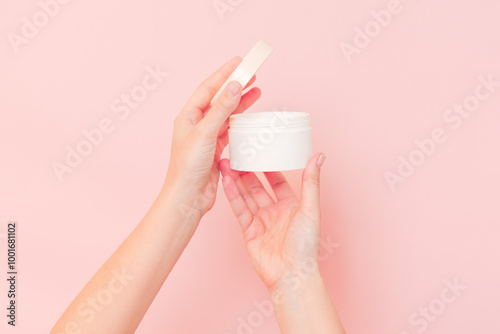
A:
179	202
305	307
297	285
192	198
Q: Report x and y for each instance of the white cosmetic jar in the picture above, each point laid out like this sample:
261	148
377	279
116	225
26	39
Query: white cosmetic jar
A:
270	141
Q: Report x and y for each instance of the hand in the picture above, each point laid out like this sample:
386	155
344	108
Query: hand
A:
280	236
200	136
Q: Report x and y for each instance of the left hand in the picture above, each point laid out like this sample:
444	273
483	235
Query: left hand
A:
200	136
282	237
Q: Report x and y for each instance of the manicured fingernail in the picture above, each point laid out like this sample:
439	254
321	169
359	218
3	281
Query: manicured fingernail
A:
233	88
321	159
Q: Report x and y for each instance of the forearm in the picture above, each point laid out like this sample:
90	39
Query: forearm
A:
303	305
117	297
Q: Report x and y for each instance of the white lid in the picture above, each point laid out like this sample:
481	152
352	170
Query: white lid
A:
248	66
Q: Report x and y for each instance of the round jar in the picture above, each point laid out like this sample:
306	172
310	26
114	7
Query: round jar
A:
270	141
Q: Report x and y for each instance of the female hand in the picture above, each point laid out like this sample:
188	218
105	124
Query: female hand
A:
146	257
282	240
200	136
281	237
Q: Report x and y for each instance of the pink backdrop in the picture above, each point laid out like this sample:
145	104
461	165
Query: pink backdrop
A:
417	253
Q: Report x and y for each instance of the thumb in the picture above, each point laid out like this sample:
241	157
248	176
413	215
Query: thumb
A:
221	110
310	186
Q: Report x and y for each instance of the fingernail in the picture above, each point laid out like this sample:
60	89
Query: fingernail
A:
233	88
321	159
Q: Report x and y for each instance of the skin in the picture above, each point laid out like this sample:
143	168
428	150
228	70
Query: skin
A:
278	235
282	239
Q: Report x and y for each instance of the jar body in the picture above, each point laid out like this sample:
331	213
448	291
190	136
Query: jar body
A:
270	141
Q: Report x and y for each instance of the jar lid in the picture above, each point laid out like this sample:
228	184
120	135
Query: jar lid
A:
248	67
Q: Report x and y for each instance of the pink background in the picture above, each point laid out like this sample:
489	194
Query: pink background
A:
396	248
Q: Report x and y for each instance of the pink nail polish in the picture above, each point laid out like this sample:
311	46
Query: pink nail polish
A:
321	159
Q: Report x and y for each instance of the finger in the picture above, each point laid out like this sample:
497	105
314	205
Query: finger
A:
226	170
256	189
201	97
237	203
280	186
310	185
215	118
247	100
